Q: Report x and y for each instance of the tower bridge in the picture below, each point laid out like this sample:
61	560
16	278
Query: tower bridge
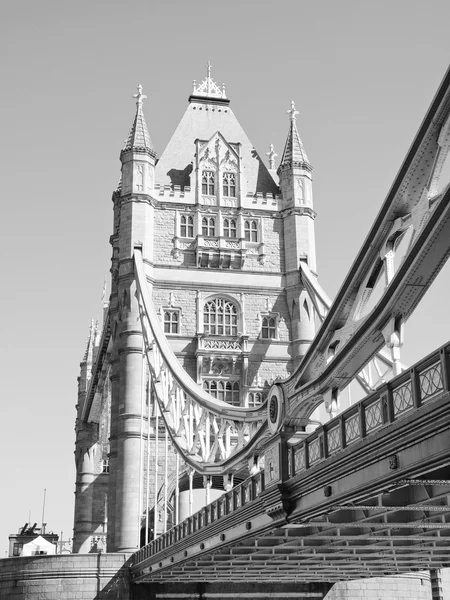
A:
221	359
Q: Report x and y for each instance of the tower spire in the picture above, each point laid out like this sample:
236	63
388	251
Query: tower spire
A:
294	152
139	138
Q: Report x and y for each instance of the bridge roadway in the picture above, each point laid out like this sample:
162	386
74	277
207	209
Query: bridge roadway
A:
367	494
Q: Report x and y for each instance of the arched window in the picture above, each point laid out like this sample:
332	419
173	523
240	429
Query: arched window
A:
251	231
229	228
269	328
220	317
187	226
208	181
208	226
227	391
229	184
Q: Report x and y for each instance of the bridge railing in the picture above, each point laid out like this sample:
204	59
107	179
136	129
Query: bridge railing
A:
239	496
389	403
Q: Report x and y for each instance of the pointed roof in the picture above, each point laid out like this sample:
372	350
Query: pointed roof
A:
294	152
139	138
90	342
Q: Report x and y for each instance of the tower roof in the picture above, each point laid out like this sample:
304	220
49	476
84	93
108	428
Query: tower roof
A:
139	138
294	152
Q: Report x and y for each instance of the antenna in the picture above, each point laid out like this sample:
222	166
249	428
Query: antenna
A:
43	512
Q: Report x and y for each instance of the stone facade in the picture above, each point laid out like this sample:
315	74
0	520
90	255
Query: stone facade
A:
217	234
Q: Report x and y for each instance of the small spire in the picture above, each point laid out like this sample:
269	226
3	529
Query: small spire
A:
272	155
294	151
139	138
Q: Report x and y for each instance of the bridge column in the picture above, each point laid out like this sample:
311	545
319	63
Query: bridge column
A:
84	490
129	468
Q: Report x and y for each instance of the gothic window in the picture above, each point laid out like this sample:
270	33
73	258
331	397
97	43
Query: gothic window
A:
227	391
187	226
229	228
254	399
208	183
269	328
220	317
208	226
229	184
171	321
251	231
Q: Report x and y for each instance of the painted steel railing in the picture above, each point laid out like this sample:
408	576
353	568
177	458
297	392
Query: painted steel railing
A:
389	403
393	401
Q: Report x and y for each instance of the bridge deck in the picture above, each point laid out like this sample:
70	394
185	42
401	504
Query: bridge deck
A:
366	494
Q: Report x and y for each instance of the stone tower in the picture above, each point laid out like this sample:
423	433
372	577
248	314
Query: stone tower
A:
222	244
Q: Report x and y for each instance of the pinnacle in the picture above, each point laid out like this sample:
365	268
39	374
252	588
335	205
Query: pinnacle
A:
294	151
139	138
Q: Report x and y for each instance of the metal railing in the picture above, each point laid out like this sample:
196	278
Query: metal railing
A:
404	394
239	496
392	401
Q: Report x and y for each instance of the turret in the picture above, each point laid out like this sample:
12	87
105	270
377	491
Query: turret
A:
298	217
86	436
133	226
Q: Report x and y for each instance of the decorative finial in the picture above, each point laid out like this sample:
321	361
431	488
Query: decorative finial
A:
208	87
292	111
271	154
139	96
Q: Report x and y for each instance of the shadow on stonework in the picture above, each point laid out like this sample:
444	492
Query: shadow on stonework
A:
181	177
118	586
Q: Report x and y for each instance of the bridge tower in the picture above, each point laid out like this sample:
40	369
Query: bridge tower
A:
221	245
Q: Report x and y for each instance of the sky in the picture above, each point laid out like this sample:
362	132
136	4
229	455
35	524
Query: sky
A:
362	75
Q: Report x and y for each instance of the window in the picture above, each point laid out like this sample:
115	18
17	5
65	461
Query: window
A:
229	228
208	180
208	226
227	391
251	231
269	328
229	184
105	465
254	399
220	317
171	321
17	548
187	227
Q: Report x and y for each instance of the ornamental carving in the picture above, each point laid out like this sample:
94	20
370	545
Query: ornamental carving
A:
272	464
221	344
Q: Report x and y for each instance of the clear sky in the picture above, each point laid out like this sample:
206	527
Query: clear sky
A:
362	75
